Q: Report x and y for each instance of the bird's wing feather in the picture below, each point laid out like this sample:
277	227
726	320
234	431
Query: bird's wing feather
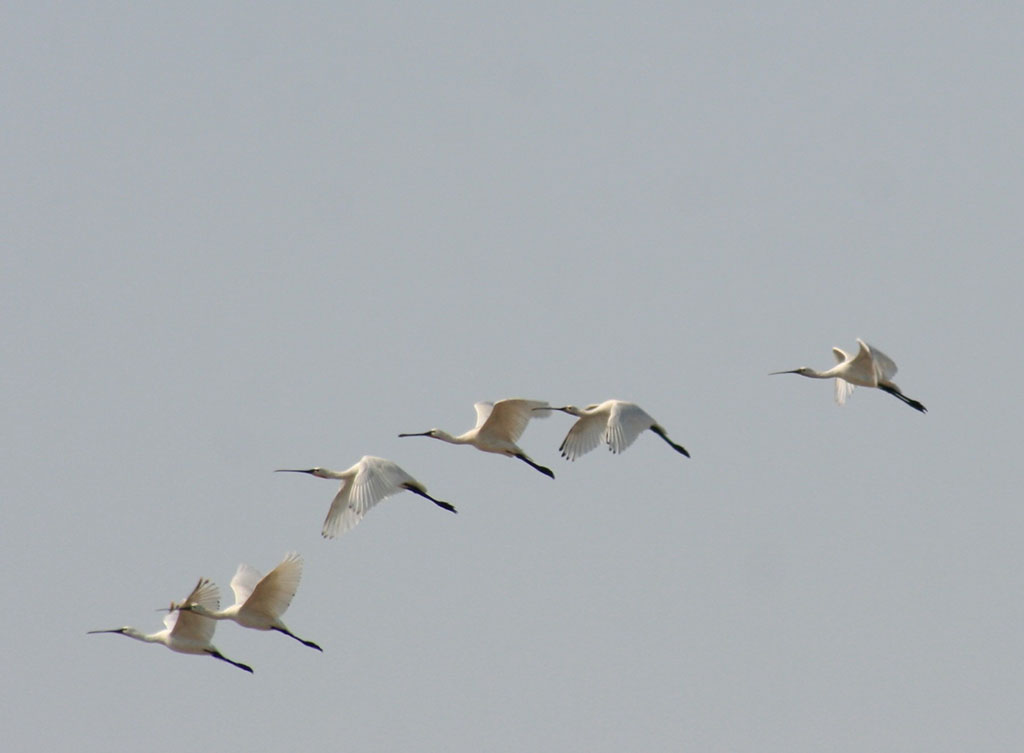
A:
508	418
483	412
189	626
377	479
245	580
337	511
275	591
840	355
625	423
843	390
885	367
861	369
171	618
584	436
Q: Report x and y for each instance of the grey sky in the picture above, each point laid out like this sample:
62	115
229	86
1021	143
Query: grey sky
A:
244	237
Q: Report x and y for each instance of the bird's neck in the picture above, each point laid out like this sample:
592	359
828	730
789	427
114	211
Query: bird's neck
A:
814	374
213	614
461	439
144	637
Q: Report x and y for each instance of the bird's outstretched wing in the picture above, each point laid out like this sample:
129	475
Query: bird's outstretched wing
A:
483	412
274	592
861	368
508	418
185	625
625	423
843	390
339	517
377	479
244	581
583	437
885	367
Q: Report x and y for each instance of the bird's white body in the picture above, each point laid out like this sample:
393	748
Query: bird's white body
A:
260	600
617	423
363	485
869	368
185	631
499	426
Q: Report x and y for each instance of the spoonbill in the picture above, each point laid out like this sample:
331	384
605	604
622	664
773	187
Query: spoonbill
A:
259	601
869	368
186	632
498	427
615	422
362	486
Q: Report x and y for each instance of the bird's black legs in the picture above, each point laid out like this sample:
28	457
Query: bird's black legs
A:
677	447
300	640
438	502
909	401
218	655
546	471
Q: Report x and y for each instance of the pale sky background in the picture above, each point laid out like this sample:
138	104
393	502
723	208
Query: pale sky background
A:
239	237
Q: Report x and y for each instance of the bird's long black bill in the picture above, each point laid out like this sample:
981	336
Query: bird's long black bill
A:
292	470
416	434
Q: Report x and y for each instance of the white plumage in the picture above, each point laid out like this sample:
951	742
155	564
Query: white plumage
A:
363	485
617	423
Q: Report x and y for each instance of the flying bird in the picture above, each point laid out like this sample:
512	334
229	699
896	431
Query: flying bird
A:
498	427
186	631
362	486
617	423
259	600
869	368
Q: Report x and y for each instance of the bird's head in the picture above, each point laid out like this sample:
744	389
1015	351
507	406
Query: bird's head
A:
572	410
196	608
174	607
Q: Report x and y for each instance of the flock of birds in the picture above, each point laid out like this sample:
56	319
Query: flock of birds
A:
261	600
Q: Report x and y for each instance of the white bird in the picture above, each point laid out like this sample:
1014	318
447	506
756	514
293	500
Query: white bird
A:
362	486
615	422
260	601
498	427
186	632
869	368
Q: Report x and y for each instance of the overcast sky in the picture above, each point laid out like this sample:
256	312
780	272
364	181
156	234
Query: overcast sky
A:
240	237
